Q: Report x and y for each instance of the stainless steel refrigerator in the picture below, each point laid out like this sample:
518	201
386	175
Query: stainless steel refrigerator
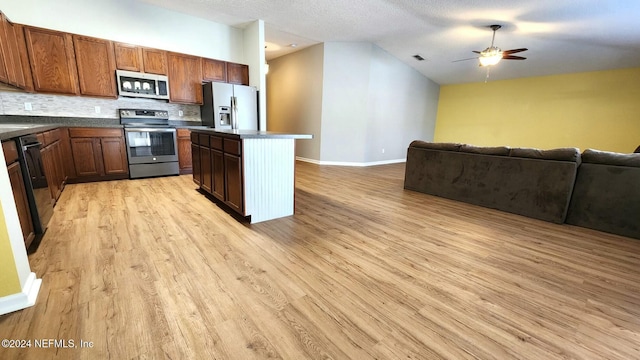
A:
229	106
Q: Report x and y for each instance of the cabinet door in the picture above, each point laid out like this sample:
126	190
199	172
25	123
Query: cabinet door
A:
234	182
59	165
87	156
114	155
217	164
22	204
48	161
155	61
237	74
195	160
5	58
205	169
96	66
24	57
185	78
214	70
128	57
11	52
52	60
184	151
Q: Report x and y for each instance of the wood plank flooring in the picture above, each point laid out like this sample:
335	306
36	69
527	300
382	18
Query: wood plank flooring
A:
151	269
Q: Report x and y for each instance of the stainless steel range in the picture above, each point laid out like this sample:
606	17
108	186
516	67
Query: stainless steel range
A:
152	146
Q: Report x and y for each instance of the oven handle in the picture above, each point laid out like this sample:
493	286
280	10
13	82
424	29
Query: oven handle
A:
150	130
25	147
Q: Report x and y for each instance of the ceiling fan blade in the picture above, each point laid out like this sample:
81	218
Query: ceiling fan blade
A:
509	52
513	57
477	52
473	58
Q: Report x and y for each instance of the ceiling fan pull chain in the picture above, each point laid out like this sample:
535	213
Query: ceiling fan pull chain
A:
486	79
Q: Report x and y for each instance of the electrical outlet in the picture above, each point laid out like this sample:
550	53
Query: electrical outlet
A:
27	106
97	108
180	113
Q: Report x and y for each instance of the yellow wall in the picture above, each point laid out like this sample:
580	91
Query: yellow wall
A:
598	110
9	281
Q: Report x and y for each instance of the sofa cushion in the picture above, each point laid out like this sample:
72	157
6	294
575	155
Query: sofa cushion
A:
610	158
435	145
485	150
560	154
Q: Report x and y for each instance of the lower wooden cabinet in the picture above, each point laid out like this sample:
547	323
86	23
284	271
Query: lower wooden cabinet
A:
53	161
184	151
233	182
19	191
99	153
217	168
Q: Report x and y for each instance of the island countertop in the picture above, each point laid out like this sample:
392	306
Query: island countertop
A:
251	134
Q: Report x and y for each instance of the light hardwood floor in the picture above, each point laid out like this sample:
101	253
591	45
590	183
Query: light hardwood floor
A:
151	269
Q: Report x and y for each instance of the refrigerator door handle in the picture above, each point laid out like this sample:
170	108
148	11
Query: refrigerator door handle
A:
234	112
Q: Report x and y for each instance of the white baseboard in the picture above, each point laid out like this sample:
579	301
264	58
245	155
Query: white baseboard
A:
345	163
24	299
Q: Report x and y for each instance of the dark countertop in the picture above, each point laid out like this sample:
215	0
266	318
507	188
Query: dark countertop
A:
12	126
9	131
252	134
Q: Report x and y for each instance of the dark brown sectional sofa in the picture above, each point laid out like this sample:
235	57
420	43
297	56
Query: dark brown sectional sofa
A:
606	195
558	185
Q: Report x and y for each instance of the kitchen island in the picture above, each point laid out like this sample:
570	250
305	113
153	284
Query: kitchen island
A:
251	172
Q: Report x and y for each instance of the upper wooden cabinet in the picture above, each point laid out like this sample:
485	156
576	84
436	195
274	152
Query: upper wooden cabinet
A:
52	59
137	58
185	78
214	70
237	74
13	55
155	61
96	66
128	57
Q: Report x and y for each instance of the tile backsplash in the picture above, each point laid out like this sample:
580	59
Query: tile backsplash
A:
13	103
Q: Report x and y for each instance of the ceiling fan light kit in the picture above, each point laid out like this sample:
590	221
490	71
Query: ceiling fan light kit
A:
493	54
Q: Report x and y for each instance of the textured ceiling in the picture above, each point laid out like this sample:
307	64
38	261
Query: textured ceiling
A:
563	36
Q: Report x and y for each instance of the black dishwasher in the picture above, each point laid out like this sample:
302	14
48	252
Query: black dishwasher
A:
35	181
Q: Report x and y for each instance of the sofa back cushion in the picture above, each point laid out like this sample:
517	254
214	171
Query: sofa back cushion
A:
560	154
592	156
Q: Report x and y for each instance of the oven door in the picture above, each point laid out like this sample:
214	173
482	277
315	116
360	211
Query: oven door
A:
151	145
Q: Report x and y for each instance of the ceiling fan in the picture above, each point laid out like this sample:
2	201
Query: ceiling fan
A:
493	54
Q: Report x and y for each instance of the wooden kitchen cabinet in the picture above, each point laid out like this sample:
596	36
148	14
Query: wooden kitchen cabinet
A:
233	179
185	78
52	160
14	64
184	151
19	191
218	166
195	158
99	154
53	63
141	59
237	73
96	66
128	57
214	70
155	61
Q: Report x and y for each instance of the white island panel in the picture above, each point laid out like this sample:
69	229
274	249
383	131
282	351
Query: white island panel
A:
269	177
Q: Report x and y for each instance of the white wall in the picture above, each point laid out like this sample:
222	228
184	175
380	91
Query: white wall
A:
131	22
345	101
355	98
294	97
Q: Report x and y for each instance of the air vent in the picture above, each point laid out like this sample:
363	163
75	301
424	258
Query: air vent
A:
418	57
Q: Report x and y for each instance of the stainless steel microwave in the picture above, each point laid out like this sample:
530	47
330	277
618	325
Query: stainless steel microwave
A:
136	84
